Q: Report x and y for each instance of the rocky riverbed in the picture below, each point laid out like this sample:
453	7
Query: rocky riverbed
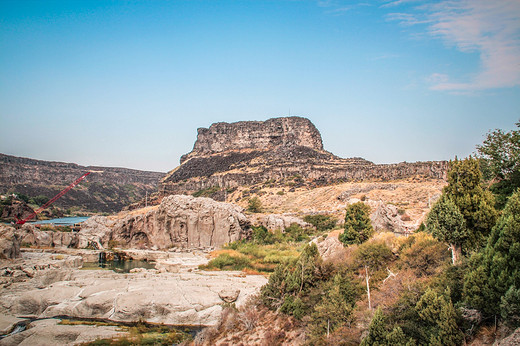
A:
43	285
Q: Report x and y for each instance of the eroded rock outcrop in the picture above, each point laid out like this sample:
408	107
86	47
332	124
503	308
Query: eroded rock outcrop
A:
275	222
276	150
178	222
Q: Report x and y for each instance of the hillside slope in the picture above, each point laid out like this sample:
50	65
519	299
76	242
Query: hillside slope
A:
107	189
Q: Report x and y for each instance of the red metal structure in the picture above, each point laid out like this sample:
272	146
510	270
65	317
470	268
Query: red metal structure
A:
40	209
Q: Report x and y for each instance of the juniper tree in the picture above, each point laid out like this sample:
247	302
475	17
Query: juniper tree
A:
474	203
496	270
500	158
379	333
464	215
358	227
439	318
446	223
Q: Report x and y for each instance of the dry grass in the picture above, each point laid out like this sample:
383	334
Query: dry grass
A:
411	195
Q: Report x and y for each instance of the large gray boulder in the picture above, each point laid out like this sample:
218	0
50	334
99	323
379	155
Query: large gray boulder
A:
386	217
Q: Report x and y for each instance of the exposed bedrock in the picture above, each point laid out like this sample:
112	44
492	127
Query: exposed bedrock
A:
45	285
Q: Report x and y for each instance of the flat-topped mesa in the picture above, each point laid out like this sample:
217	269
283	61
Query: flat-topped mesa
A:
258	135
280	151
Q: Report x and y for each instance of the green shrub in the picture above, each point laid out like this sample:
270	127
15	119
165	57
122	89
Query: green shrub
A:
424	255
322	222
228	262
254	205
375	255
47	228
22	197
39	200
296	233
292	285
206	192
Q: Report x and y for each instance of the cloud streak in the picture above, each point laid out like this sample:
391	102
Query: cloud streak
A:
491	28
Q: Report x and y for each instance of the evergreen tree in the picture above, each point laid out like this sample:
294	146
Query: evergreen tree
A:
439	318
292	281
380	335
497	269
377	331
397	337
446	223
336	306
358	227
476	205
500	154
510	307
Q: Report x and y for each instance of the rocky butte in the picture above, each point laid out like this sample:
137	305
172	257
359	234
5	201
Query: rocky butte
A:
228	155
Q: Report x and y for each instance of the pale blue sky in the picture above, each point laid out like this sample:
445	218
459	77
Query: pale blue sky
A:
127	83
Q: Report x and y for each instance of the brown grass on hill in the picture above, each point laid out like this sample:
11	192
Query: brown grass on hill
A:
412	196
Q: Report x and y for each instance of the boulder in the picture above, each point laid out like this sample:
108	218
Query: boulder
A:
386	217
511	340
16	210
49	332
229	295
330	248
9	243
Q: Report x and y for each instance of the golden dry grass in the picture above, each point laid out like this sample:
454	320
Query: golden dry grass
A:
411	195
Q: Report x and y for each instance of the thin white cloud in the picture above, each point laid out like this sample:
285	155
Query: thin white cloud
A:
393	3
340	7
491	28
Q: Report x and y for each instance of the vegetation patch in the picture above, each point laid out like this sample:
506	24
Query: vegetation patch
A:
207	192
144	334
253	258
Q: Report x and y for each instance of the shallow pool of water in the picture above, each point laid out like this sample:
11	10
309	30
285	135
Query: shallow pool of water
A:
118	266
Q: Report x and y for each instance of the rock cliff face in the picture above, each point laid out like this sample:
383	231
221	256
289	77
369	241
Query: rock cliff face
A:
109	189
178	222
286	132
277	150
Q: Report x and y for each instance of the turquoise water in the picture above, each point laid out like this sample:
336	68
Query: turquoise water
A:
62	221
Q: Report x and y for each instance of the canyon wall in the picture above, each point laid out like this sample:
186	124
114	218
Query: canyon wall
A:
107	189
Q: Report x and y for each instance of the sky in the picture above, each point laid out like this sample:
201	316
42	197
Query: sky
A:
127	83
